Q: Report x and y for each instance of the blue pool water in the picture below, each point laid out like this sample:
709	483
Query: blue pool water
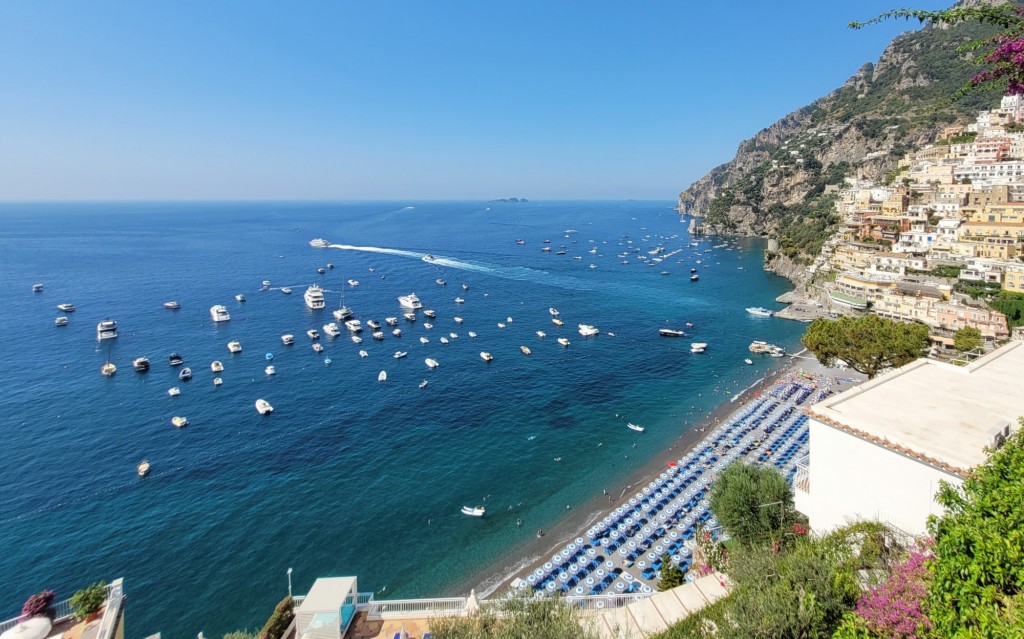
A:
348	475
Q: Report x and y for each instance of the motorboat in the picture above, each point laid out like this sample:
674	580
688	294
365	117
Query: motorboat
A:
67	308
457	320
314	297
363	354
378	335
541	334
331	329
287	339
107	329
441	282
353	283
263	407
471	334
37	288
108	369
330	266
671	332
557	322
216	366
217	381
443	340
321	270
546	249
465	287
410	301
487	357
759	311
235	346
564	341
428	325
777	351
635	427
313	334
319	242
400	354
397	332
459	300
474	512
509	319
424	383
270	370
453	335
354	325
748	361
694	277
693	270
179	421
501	324
410	317
318	347
219	313
174	359
287	290
429	258
141	364
343	312
382	376
174	391
525	350
587	330
431	363
520	242
374	324
265	283
424	340
172	305
391	321
185	374
239	298
356	339
554	312
429	313
142	468
698	347
60	321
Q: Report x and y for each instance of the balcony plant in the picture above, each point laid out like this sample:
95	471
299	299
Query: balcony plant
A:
38	605
88	601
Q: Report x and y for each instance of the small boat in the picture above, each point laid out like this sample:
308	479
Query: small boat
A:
263	407
638	429
429	258
287	290
453	335
266	283
471	334
179	421
354	325
219	313
694	278
175	359
671	332
142	468
441	282
314	297
356	339
287	339
234	346
107	329
172	305
457	320
759	311
397	332
318	347
321	270
270	370
67	308
217	381
378	335
525	350
474	512
557	322
698	347
431	363
748	361
541	334
174	391
239	298
520	242
319	242
587	330
141	364
313	334
391	321
459	300
465	287
428	325
37	288
693	270
554	312
374	324
429	313
60	321
508	319
424	340
382	376
185	374
564	341
410	301
424	383
363	354
108	369
268	356
410	317
400	354
777	351
443	340
353	283
330	265
487	357
331	329
501	324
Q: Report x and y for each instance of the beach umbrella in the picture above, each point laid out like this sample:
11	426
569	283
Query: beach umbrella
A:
627	576
550	587
539	572
589	581
532	578
591	552
659	549
473	604
571	546
565	552
641	564
622	551
563	576
547	566
31	628
620	585
578	590
631	544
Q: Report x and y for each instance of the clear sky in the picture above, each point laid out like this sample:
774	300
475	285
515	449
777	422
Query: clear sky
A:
396	99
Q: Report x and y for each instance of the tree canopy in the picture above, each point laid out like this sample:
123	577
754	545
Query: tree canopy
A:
753	503
967	338
868	344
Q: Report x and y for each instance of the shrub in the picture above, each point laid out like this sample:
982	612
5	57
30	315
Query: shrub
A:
88	601
240	634
38	605
279	621
513	618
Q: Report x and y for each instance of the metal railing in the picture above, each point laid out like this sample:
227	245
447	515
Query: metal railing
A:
62	611
802	479
399	608
112	612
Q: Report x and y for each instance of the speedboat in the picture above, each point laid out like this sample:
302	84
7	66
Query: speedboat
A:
564	341
693	270
175	359
698	347
694	277
374	324
501	324
185	374
363	354
321	270
431	363
391	321
354	325
287	290
541	334
106	329
382	376
471	334
219	313
429	313
356	339
748	361
287	339
424	340
424	383
429	258
263	407
108	369
525	350
67	308
444	340
520	242
759	311
141	364
487	357
474	512
179	421
270	370
319	243
142	468
453	335
37	288
635	427
557	322
266	283
235	346
378	335
60	321
332	330
777	351
410	317
317	347
400	354
314	297
397	332
441	282
410	301
216	366
353	283
172	305
586	330
459	300
457	320
174	391
313	334
465	287
553	311
671	332
428	325
239	298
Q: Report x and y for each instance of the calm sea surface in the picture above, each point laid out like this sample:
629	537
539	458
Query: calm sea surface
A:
348	475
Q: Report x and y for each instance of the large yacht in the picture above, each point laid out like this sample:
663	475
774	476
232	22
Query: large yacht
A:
332	330
106	329
67	308
219	313
354	325
410	301
586	330
314	297
760	311
319	243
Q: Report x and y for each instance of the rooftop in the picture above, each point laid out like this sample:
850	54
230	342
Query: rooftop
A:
936	412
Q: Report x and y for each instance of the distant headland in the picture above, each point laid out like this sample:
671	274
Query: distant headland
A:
510	199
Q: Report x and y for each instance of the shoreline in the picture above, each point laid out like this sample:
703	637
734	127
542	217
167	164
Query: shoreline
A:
496	576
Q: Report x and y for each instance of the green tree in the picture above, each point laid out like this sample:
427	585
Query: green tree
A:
978	586
967	338
753	503
671	575
868	344
516	618
279	620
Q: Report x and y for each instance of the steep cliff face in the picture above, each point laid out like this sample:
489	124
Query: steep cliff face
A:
777	184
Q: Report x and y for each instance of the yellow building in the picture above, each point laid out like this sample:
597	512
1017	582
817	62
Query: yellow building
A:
1013	279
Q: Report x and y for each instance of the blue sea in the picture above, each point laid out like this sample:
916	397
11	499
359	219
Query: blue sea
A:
348	476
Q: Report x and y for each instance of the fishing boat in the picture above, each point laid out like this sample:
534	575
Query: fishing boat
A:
474	512
564	341
382	376
525	350
263	407
234	346
487	357
431	363
172	305
179	421
635	427
759	311
142	468
671	332
141	364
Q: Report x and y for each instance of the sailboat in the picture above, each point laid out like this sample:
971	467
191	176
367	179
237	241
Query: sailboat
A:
108	369
343	312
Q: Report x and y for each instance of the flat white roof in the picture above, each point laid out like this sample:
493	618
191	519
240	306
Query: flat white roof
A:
327	594
937	412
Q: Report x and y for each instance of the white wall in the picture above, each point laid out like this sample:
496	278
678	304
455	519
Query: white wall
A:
853	479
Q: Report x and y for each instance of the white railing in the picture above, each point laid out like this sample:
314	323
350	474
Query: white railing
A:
412	608
61	611
802	479
112	612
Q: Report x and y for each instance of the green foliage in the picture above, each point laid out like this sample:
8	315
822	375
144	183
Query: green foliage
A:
671	575
516	618
279	620
240	634
967	338
88	601
978	586
947	270
753	503
977	289
1009	304
868	344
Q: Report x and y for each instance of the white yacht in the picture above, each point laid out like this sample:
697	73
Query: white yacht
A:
698	347
60	321
564	341
67	308
429	313
219	313
313	334
409	301
172	305
216	366
541	334
635	427
106	329
332	330
263	407
354	325
287	339
759	311
141	364
239	298
314	297
487	357
235	346
391	321
353	283
586	330
319	243
378	335
356	339
373	324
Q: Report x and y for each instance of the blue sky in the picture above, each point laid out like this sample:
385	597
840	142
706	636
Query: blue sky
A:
405	98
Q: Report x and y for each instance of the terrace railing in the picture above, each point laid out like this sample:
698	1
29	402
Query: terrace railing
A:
414	608
802	479
61	609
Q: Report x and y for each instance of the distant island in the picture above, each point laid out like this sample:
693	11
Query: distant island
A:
511	199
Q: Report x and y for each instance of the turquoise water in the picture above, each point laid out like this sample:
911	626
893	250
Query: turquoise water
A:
348	476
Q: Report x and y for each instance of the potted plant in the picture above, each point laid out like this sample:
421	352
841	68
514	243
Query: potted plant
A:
38	605
88	601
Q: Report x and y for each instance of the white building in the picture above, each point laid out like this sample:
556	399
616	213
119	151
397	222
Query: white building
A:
879	450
